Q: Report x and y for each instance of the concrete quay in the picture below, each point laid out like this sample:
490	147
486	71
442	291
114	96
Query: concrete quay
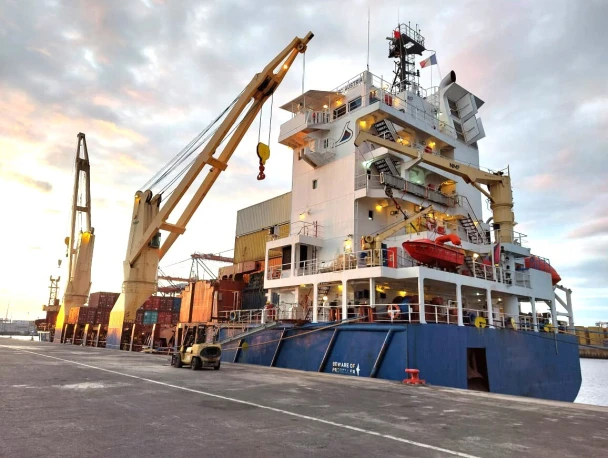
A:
67	401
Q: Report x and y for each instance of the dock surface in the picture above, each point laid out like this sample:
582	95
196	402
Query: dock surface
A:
69	401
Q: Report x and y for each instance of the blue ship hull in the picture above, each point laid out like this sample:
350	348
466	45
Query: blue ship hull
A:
521	363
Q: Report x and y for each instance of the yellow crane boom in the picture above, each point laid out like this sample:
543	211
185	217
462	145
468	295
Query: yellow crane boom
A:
149	218
499	185
375	242
79	243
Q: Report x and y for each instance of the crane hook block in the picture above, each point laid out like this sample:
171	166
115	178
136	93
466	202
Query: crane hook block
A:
263	153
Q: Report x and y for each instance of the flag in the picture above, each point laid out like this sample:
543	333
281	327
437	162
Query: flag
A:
496	254
430	61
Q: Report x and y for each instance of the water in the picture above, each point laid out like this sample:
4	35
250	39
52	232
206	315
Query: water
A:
594	389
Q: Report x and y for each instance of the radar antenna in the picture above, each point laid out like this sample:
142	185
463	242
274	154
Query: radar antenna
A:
405	44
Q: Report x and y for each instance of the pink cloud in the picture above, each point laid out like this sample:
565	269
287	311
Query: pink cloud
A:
590	228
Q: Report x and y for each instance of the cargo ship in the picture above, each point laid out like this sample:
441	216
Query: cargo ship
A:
379	259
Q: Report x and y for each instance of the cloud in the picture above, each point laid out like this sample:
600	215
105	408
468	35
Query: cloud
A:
25	180
141	79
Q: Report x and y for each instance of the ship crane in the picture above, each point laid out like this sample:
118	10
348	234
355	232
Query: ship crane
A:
144	249
79	244
499	185
374	242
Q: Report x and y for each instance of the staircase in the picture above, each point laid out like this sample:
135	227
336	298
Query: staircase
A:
323	290
475	267
385	129
474	235
386	165
248	333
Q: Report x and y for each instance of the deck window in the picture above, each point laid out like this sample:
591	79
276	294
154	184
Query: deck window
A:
354	104
314	184
340	111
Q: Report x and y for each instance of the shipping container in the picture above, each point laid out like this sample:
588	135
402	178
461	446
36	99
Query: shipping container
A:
51	318
185	311
166	304
152	303
103	299
139	316
265	214
203	302
150	317
177	302
91	314
252	247
103	316
174	317
165	317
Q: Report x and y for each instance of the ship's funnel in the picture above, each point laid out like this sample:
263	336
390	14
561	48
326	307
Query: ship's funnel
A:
448	79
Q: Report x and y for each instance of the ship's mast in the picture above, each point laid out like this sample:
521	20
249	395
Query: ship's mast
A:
405	44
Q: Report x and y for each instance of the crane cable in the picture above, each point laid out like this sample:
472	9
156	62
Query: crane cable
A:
188	150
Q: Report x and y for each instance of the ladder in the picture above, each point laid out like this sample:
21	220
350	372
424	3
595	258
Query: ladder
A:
473	233
385	129
476	269
386	165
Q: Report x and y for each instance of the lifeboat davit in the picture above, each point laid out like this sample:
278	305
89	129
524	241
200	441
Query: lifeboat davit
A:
435	253
534	262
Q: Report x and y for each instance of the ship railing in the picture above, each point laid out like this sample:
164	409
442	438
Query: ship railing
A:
296	228
278	272
245	316
372	181
518	239
385	93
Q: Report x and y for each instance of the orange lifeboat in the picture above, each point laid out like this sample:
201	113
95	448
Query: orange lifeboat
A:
534	262
435	253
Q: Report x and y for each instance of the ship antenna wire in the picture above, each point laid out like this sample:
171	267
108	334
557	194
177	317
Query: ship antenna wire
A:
368	38
303	69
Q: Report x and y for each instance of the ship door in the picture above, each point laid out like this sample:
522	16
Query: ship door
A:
477	370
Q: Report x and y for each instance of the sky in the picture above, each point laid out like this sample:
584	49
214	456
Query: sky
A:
142	77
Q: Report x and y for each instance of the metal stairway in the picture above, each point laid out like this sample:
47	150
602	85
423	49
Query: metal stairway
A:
385	129
476	269
248	333
473	233
322	291
387	165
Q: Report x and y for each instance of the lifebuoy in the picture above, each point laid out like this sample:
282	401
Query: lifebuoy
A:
480	322
393	311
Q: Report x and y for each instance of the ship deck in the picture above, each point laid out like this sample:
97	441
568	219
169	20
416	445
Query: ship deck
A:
61	400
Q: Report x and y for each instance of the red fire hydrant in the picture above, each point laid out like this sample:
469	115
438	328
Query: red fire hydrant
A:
413	379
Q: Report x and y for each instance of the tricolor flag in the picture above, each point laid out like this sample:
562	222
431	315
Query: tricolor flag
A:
430	61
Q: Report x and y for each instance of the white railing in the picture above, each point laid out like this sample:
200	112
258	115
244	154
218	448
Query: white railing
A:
299	228
253	316
317	117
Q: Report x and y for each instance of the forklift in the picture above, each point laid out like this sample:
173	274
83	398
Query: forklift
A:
195	352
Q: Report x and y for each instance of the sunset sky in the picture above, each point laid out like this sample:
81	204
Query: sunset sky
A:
142	78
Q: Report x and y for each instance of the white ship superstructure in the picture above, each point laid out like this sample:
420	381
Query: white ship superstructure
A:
353	207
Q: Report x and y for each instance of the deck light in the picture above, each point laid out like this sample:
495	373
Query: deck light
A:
285	67
475	255
324	298
378	207
325	106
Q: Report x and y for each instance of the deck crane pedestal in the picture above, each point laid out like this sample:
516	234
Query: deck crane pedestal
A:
374	242
79	245
499	185
144	249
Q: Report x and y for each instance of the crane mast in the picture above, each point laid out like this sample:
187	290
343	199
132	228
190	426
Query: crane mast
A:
80	243
144	250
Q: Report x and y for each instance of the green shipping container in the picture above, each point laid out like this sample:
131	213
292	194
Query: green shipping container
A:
150	317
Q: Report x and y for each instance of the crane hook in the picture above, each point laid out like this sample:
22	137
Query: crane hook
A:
263	152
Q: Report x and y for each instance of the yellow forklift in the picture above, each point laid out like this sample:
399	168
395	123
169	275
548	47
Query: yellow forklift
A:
195	352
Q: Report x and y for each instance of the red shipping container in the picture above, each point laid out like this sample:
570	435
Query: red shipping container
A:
103	316
51	318
139	316
165	317
166	304
153	303
91	315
